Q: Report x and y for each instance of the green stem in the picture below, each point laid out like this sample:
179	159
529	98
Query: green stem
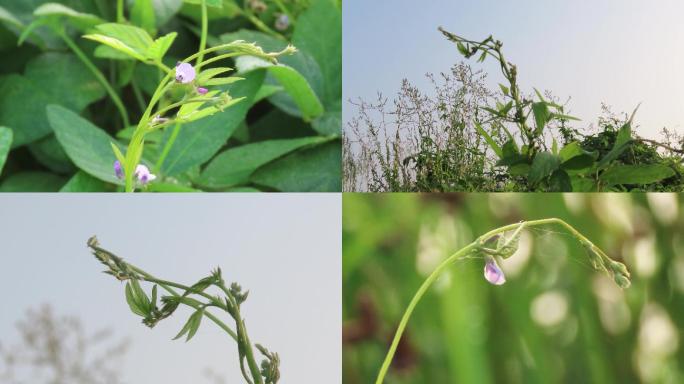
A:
138	95
120	11
177	104
243	339
247	348
260	24
463	252
167	147
203	36
98	75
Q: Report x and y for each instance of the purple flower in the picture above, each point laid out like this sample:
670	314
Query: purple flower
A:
118	170
185	73
282	22
493	273
143	174
202	90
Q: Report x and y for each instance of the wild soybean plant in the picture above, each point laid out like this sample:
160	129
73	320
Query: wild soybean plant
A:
503	247
165	108
194	297
568	168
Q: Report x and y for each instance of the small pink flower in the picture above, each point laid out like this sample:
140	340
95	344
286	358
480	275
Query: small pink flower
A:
143	174
185	73
493	273
202	90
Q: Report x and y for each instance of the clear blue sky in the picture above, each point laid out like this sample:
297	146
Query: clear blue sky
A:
622	52
285	248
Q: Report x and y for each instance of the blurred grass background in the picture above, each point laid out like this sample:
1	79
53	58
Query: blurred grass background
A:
556	320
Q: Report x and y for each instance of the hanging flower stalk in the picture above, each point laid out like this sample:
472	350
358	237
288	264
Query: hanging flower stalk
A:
505	248
152	310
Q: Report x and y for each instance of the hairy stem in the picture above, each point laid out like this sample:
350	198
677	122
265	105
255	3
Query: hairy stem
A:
203	36
99	76
120	11
167	147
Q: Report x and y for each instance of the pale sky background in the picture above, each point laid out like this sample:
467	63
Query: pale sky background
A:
622	52
284	248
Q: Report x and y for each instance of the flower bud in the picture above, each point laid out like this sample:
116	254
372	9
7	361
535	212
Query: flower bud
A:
118	170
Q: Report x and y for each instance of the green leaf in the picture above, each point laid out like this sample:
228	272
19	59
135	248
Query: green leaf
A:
574	157
132	300
324	47
294	83
234	166
164	10
48	152
128	39
210	73
541	115
520	169
7	17
301	61
198	141
142	15
504	89
88	146
582	184
188	108
115	44
5	145
314	169
191	325
83	182
24	98
543	165
154	296
492	144
81	21
622	142
140	296
560	181
158	49
32	182
329	123
510	155
636	174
